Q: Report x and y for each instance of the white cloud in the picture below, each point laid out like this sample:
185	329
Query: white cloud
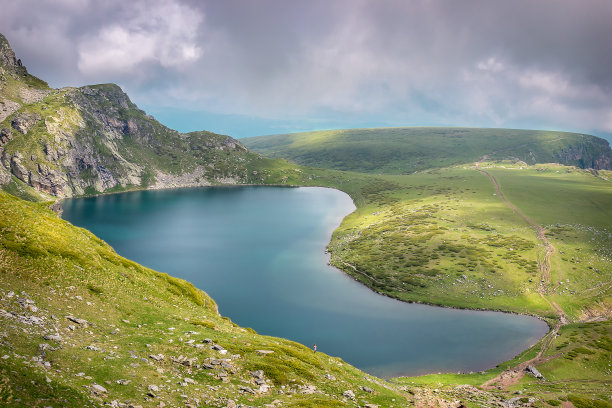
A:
403	62
490	64
161	32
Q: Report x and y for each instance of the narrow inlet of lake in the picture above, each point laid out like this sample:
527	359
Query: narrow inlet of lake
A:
260	253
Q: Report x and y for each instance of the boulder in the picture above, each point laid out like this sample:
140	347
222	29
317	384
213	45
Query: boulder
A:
349	394
6	135
53	337
308	389
259	374
97	389
77	320
534	371
23	122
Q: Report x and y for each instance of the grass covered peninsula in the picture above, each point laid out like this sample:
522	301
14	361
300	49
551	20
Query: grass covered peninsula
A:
497	234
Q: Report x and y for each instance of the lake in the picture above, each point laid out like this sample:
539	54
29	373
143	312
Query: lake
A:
260	253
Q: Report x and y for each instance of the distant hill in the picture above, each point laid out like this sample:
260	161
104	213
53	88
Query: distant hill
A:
406	150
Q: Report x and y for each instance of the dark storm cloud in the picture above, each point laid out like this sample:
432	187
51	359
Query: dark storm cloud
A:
516	63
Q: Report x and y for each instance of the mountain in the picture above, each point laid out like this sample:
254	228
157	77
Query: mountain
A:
75	141
406	150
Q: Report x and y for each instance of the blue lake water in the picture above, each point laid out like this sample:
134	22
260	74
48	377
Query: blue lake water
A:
260	253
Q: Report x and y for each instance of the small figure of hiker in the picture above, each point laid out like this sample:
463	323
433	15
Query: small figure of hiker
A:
314	348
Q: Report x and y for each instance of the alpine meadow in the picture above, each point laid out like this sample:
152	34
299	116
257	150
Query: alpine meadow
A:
514	221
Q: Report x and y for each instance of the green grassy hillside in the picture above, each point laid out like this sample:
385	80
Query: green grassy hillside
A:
406	150
445	237
575	365
81	326
75	316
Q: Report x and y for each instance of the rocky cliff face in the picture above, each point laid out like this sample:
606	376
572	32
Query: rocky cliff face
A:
7	56
592	154
76	141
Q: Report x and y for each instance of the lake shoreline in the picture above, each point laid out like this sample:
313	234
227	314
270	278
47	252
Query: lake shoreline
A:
344	274
549	323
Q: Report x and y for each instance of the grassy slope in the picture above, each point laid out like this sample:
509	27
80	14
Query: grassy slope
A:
576	209
436	205
66	270
576	368
50	270
443	236
581	351
405	150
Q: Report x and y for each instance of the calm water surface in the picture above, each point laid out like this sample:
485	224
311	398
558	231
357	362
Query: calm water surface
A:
259	252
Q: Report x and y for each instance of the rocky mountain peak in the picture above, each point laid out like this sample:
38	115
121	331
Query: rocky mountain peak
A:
7	56
75	141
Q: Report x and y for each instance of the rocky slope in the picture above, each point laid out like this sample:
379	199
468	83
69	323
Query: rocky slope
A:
74	141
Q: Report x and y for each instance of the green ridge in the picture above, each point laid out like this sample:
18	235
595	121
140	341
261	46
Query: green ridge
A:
406	150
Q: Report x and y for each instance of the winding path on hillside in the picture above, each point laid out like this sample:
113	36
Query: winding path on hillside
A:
513	375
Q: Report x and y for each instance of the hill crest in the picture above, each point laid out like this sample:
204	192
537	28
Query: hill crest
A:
406	150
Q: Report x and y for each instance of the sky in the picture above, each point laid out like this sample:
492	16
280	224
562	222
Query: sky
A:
248	68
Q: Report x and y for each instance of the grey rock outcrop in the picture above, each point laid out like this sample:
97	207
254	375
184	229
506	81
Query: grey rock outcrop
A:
534	371
5	177
586	156
80	141
349	394
6	135
23	122
97	139
7	56
98	389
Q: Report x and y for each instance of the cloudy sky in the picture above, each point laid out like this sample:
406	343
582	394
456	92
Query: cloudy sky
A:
252	67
